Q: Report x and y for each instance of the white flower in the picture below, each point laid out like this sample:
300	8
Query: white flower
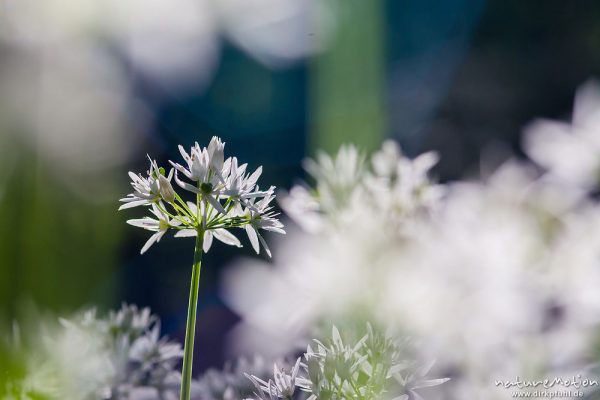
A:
261	216
239	186
336	177
402	185
282	386
160	225
303	208
201	168
148	190
385	161
397	187
570	151
198	166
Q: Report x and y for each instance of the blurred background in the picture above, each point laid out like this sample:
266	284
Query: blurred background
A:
88	88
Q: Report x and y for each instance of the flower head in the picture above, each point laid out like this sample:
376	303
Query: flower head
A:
225	197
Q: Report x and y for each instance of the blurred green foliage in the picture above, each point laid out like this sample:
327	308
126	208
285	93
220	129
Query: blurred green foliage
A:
57	249
348	79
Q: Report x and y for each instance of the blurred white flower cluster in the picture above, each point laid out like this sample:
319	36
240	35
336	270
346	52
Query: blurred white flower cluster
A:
496	278
225	197
335	265
117	356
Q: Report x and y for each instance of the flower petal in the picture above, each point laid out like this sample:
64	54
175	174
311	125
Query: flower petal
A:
274	229
264	244
153	239
186	233
145	223
185	185
215	203
207	243
252	179
132	203
226	237
184	153
180	168
253	236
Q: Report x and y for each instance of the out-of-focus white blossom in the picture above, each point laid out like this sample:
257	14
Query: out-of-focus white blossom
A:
401	186
395	187
66	67
467	266
570	151
496	277
118	356
354	233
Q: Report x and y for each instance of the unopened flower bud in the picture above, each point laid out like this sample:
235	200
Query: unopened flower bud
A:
166	189
216	150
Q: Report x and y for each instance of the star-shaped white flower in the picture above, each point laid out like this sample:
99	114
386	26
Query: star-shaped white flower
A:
240	186
161	224
148	189
261	216
206	167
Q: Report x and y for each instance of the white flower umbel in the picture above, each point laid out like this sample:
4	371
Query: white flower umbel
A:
355	215
396	186
226	197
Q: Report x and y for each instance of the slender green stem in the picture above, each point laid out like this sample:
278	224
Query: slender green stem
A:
190	330
184	206
177	217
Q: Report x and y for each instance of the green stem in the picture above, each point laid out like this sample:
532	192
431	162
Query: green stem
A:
190	330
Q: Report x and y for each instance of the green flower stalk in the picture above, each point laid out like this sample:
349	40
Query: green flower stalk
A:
226	197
